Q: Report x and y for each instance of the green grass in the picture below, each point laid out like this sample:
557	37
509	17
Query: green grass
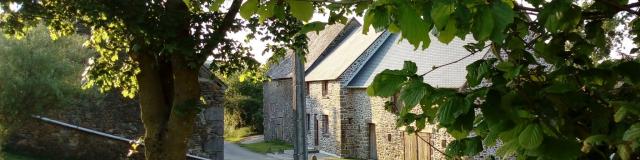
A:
268	146
236	135
14	156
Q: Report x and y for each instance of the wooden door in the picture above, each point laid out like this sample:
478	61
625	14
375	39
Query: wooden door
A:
410	147
424	149
373	153
316	129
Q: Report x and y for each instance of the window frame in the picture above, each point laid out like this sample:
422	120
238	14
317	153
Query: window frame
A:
325	124
308	88
325	88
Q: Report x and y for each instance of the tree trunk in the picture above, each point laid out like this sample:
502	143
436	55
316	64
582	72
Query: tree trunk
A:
169	88
184	108
168	113
154	108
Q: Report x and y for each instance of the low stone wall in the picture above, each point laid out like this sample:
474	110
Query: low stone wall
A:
117	116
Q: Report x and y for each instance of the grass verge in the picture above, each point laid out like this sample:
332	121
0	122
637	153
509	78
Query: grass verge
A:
7	155
236	135
268	146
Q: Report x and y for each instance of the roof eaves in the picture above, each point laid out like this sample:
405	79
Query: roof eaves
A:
373	48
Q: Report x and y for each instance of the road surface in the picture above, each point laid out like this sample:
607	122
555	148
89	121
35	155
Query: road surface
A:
234	152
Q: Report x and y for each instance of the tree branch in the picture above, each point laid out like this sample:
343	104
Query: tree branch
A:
341	2
220	33
622	7
450	63
431	145
633	5
527	9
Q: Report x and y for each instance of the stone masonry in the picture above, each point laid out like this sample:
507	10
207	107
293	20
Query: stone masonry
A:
120	117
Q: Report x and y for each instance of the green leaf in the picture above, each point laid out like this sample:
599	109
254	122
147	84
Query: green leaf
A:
420	123
316	26
507	149
410	67
632	133
620	114
477	70
559	88
511	70
503	16
215	6
413	92
559	149
303	10
378	17
464	147
531	137
249	8
591	141
451	109
441	12
267	10
629	70
448	33
462	126
483	24
360	7
624	151
387	83
414	29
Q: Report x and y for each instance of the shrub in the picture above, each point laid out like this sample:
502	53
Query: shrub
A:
38	74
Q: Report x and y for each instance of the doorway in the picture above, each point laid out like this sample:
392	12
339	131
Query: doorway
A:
316	139
373	153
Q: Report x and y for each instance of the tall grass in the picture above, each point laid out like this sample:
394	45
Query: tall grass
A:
233	132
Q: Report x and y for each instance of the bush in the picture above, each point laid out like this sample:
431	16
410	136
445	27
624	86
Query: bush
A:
242	106
38	74
232	130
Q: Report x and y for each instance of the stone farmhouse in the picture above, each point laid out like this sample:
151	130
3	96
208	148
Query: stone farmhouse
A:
341	118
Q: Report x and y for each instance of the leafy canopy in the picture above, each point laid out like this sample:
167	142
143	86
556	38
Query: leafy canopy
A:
550	91
37	75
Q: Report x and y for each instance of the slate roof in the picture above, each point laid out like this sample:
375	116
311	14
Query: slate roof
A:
319	44
343	56
393	53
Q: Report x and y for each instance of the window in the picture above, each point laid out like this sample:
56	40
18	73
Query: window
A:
325	124
309	123
325	88
307	88
443	144
350	120
389	137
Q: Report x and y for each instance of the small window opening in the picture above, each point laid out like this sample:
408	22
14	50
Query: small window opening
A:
325	88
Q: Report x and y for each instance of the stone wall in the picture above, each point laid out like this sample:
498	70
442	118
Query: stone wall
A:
317	106
277	110
120	117
357	131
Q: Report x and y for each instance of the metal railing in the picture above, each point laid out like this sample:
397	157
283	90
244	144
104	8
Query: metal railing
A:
110	136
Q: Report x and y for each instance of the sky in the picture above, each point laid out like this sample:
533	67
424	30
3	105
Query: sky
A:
258	46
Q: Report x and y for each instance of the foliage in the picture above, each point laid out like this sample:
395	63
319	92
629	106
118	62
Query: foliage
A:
234	135
4	155
550	87
243	100
155	49
38	74
268	146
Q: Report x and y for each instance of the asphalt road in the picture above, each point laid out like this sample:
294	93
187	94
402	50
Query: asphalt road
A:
234	152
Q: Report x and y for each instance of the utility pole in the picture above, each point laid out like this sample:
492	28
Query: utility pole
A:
300	150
